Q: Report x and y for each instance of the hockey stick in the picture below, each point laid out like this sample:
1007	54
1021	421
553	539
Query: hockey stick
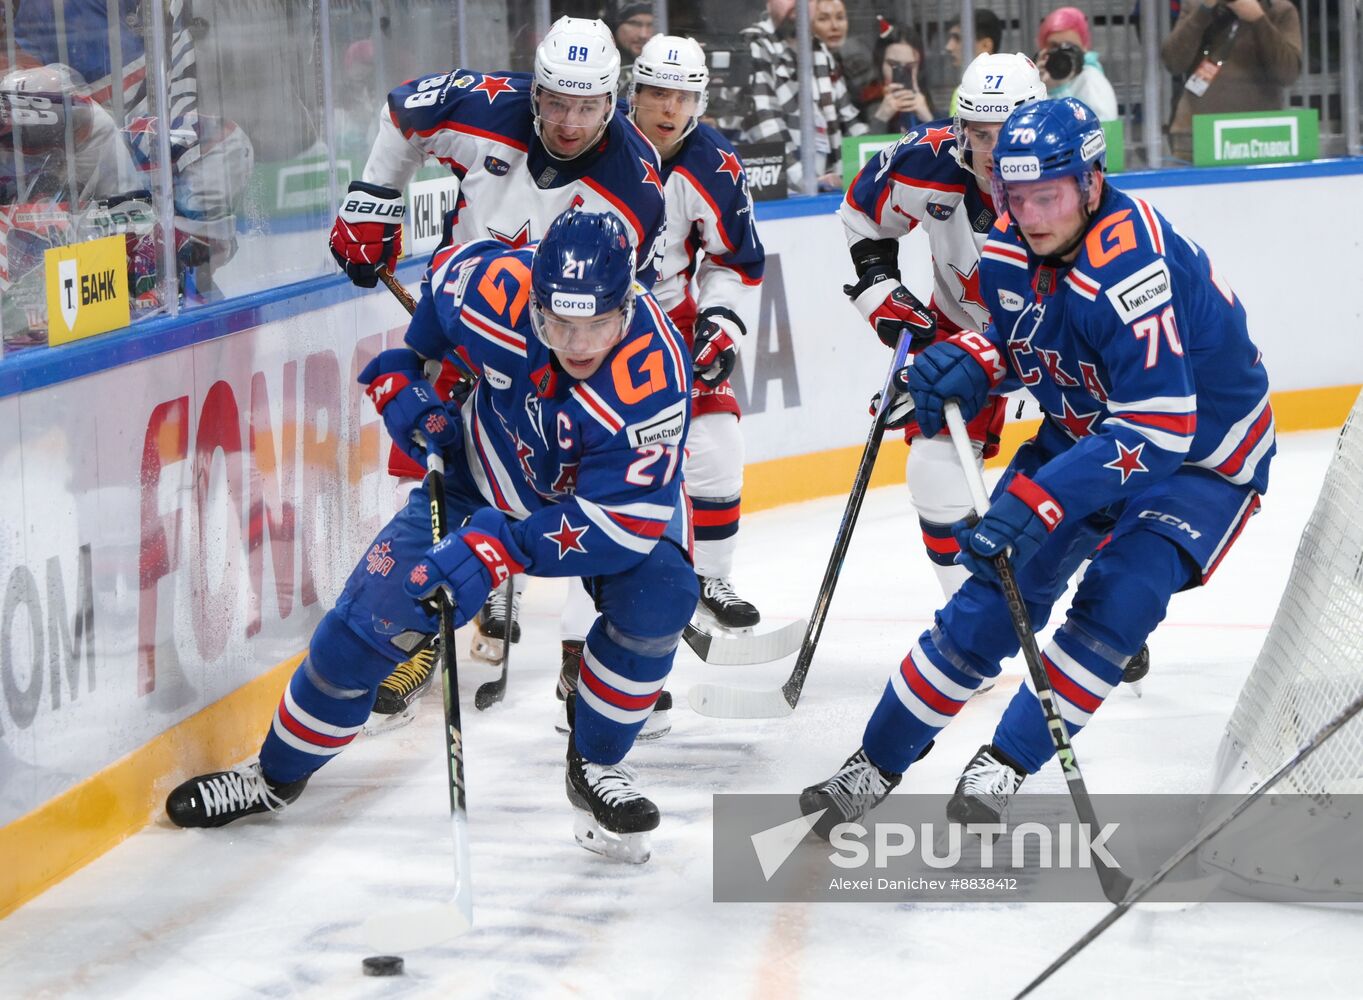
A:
1115	883
1135	896
724	702
426	926
739	648
494	691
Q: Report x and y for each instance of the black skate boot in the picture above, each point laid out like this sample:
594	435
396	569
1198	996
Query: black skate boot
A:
222	797
395	705
854	790
719	603
1137	667
612	818
490	626
657	725
985	788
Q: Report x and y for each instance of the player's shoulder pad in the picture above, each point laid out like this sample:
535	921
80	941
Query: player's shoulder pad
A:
1122	259
642	392
927	153
711	161
496	104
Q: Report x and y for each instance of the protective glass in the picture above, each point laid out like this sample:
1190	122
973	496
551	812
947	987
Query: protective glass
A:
581	336
650	97
977	137
1037	203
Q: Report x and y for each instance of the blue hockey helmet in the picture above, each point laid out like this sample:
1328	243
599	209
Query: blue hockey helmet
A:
583	268
1044	140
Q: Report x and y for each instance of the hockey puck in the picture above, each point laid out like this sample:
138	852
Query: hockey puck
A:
383	965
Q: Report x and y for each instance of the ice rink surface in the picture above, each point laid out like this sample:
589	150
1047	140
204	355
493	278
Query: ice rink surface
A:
272	907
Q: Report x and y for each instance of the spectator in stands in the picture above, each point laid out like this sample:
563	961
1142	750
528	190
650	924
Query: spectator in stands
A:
1069	66
632	25
852	59
774	111
900	101
1236	55
988	37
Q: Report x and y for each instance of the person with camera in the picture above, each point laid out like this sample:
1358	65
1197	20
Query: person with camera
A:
1069	66
1236	55
901	101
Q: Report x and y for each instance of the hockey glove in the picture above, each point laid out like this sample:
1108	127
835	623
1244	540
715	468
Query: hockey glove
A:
964	367
1019	521
901	402
890	307
467	565
408	404
715	350
367	234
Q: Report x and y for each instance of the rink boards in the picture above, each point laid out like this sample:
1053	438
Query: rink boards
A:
183	502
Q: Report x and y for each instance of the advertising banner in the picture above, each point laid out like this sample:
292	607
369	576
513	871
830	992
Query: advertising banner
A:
87	289
1256	137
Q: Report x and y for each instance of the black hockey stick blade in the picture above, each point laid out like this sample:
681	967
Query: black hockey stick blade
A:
490	693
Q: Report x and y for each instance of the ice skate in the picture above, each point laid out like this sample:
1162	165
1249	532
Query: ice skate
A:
657	725
985	788
222	797
490	627
612	817
395	705
720	606
854	790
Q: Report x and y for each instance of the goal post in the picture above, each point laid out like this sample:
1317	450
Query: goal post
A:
1310	667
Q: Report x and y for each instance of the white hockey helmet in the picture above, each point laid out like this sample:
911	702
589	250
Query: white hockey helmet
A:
993	85
577	58
673	63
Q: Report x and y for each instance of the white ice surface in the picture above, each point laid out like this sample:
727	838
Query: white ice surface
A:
272	907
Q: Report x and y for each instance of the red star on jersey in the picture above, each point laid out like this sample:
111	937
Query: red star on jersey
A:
728	164
567	538
935	137
493	86
1128	461
1078	424
517	239
651	175
970	286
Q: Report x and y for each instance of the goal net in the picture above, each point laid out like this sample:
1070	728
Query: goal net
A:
1310	667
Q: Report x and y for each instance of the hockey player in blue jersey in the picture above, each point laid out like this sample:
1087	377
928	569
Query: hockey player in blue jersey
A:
709	276
567	459
1157	431
525	148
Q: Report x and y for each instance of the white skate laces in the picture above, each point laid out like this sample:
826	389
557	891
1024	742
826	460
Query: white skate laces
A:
236	790
990	780
719	590
614	783
857	786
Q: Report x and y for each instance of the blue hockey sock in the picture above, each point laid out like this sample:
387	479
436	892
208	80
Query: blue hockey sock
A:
327	701
1082	672
620	679
922	696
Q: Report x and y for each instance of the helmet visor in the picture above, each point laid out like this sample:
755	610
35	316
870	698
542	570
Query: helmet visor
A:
1038	204
572	111
580	336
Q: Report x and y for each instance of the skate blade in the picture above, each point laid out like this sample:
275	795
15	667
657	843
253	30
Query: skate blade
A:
561	723
377	724
485	649
656	726
704	619
631	848
984	688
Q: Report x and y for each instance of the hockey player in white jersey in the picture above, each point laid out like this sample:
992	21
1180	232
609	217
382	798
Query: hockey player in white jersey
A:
708	279
937	176
525	148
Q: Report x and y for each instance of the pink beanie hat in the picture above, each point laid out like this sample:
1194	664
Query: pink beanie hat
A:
1064	19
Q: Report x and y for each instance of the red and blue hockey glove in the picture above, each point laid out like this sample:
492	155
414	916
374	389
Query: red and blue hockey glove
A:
890	307
408	404
467	564
964	367
367	233
714	351
901	401
1019	521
